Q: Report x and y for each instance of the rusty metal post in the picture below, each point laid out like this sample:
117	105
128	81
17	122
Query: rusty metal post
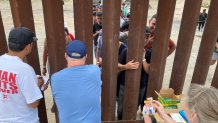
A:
23	16
54	26
207	45
159	52
138	18
3	42
215	79
111	19
83	24
184	44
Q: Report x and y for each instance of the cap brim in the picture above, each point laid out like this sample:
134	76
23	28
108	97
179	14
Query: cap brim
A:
35	38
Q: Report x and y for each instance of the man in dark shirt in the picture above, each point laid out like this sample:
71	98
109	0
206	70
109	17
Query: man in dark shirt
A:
201	20
97	27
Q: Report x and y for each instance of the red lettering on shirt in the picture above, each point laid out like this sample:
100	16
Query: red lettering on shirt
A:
4	84
12	77
4	76
13	86
8	84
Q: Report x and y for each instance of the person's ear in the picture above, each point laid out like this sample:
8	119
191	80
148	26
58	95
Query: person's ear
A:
27	48
193	118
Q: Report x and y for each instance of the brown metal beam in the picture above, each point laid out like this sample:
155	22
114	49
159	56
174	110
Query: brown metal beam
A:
207	45
23	16
54	26
215	79
184	44
111	19
138	18
83	24
3	42
159	51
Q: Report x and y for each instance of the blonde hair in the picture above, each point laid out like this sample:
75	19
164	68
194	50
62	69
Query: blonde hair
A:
204	102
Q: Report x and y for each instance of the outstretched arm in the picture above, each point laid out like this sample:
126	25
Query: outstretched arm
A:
171	47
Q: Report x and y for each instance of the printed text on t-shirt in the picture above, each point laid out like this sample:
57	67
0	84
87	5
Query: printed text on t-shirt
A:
8	82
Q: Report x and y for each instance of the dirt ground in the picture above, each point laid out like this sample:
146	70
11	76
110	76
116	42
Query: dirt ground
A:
68	17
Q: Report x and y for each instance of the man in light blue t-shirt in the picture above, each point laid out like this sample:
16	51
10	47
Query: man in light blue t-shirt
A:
77	88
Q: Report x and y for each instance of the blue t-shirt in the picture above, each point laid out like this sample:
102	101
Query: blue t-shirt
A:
76	91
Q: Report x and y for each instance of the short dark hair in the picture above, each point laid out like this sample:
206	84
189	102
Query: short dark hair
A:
154	16
99	14
94	13
125	26
66	30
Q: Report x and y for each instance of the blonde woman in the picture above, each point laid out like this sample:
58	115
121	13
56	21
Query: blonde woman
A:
201	106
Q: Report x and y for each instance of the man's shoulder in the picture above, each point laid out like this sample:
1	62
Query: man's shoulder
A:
59	73
91	68
20	65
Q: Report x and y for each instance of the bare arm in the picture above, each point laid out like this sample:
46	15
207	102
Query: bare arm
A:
129	65
145	66
171	47
34	104
95	34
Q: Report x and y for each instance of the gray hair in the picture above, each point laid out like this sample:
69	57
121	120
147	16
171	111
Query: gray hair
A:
204	102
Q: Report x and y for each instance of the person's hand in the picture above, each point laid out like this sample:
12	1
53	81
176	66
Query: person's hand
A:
160	109
99	62
149	42
99	31
143	56
145	112
44	87
162	113
40	81
44	71
132	65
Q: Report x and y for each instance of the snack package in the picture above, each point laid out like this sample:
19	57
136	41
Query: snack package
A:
168	99
150	107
